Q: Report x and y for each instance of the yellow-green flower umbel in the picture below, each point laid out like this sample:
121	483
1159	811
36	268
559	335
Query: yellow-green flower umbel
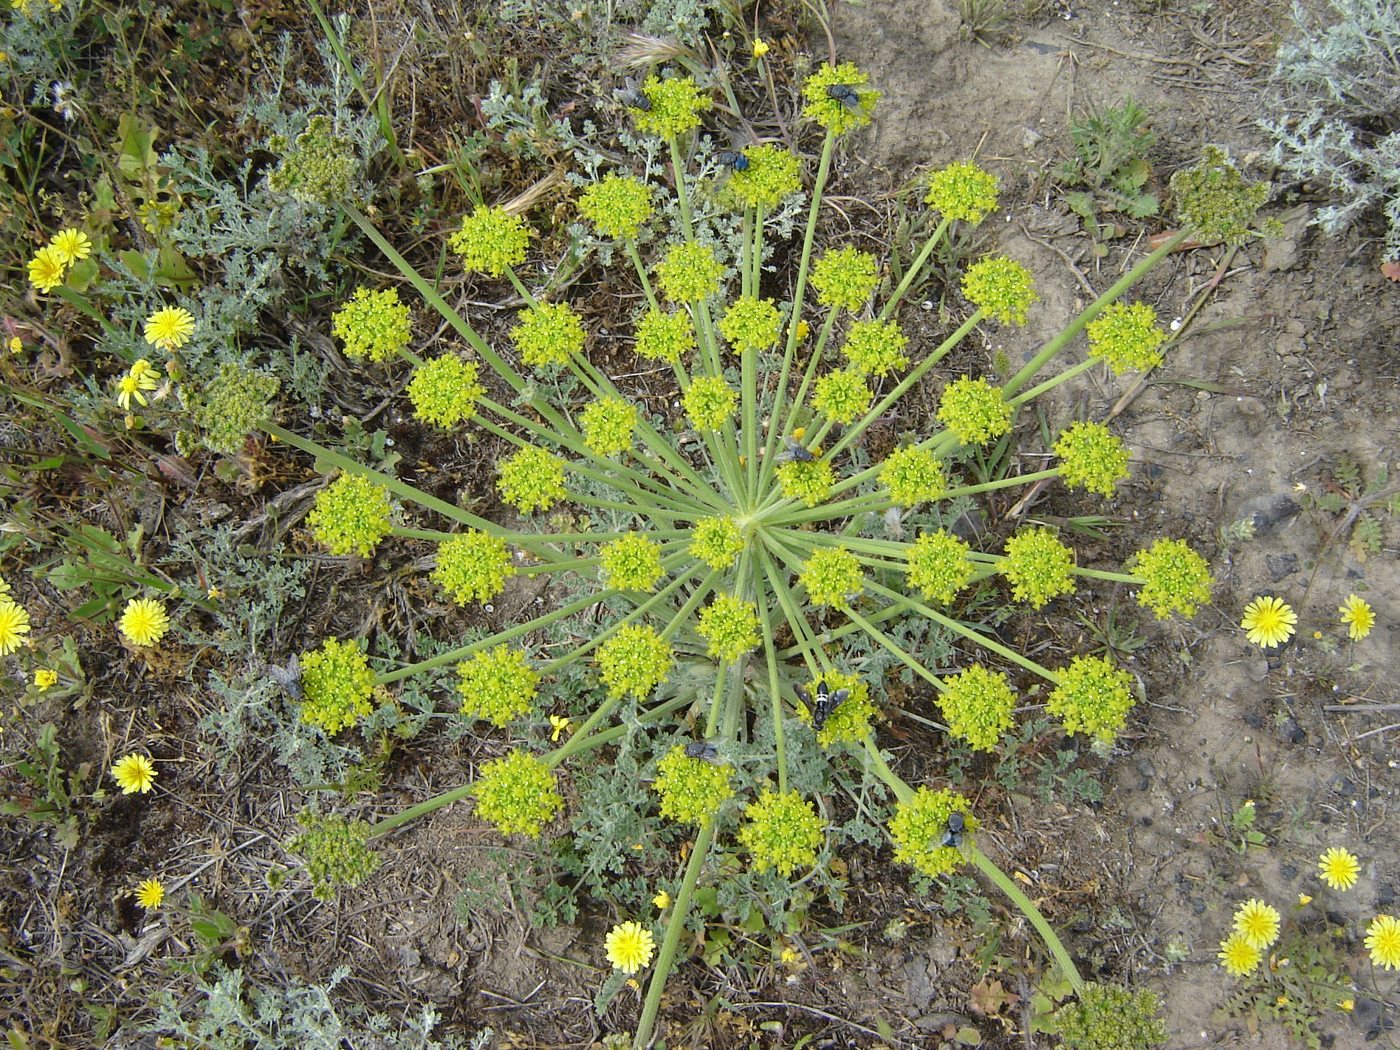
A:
531	479
1093	697
1126	336
717	541
351	516
808	481
497	685
517	793
919	829
607	424
444	391
843	278
548	334
782	831
729	625
770	177
977	706
635	660
939	565
1038	566
963	191
473	566
875	347
690	272
372	324
912	475
674	107
617	206
665	336
1000	286
974	410
491	241
336	685
1175	578
842	395
1091	457
709	402
1268	621
839	98
832	576
691	789
751	324
631	563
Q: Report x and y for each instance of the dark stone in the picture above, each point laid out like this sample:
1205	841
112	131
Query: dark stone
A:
1342	785
1281	566
1291	732
1198	905
1288	871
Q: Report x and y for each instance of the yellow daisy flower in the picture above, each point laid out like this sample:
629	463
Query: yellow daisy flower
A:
134	774
1238	956
45	678
662	900
1338	868
1268	621
72	245
629	946
1357	617
14	625
170	328
1257	922
1383	938
144	622
46	269
150	893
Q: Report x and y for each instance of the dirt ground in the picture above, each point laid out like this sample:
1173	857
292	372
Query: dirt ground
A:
1286	374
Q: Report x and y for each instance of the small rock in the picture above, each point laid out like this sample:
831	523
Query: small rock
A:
1366	1014
1342	785
1288	871
1291	732
1385	895
1281	566
1257	669
1268	511
1198	906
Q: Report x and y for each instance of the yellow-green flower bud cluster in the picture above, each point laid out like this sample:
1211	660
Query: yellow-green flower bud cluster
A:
548	334
730	627
1175	578
497	685
919	826
690	272
336	852
372	324
782	831
1214	199
517	793
230	406
913	475
1038	566
974	410
676	105
1093	697
832	576
351	516
1091	457
840	112
1127	337
617	206
751	324
631	563
842	395
445	390
708	402
607	424
336	684
810	482
473	566
531	479
319	167
1002	287
770	178
665	336
1106	1015
843	278
717	541
691	789
490	241
977	706
939	565
963	191
849	721
875	347
635	660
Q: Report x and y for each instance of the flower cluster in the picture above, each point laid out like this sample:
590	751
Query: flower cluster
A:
691	789
169	328
634	660
491	241
336	852
1000	286
49	267
809	482
977	706
913	475
920	826
770	178
665	336
445	390
607	424
1175	578
1038	566
351	516
319	166
336	685
843	278
1106	1015
1268	621
730	627
751	324
631	563
1093	697
783	831
144	621
617	206
838	98
974	410
875	347
673	107
231	406
629	946
690	272
717	541
1091	457
1338	868
1214	199
517	793
849	721
497	685
134	774
1357	617
709	402
832	576
1255	929
939	565
473	566
531	479
548	334
1126	336
842	395
373	324
963	191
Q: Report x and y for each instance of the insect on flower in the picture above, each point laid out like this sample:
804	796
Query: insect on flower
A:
733	159
703	749
288	677
844	94
630	95
823	703
794	453
953	836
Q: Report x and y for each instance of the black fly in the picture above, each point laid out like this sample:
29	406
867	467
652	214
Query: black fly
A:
289	677
794	453
703	749
733	159
957	823
844	94
823	703
630	95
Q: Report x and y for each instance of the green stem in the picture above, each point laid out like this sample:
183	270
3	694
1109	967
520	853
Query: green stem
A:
1030	911
884	640
765	613
915	268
